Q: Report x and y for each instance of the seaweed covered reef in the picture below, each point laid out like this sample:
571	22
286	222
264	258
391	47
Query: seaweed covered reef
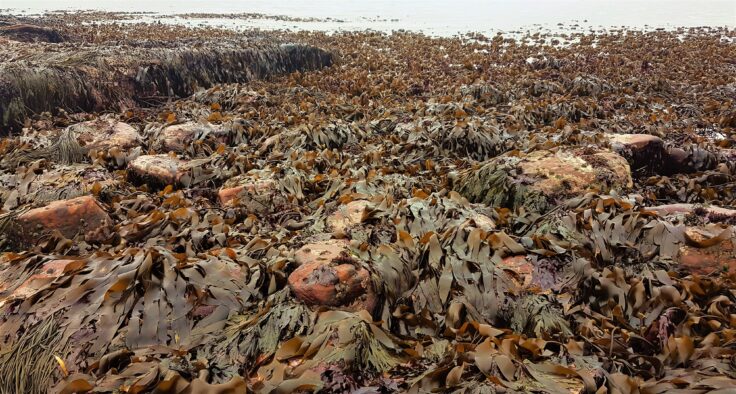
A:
73	75
470	215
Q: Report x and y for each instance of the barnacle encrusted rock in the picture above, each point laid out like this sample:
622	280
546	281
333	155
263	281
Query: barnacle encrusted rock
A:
538	179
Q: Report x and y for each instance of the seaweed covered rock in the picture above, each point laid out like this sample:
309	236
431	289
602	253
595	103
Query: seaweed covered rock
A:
107	133
538	315
94	78
41	277
539	179
31	33
644	152
346	216
322	252
485	93
257	191
38	185
689	159
179	137
78	216
339	282
588	85
157	170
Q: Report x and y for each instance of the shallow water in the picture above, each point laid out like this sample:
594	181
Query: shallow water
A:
435	17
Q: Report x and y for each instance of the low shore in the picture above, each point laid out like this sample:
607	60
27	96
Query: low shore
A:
196	210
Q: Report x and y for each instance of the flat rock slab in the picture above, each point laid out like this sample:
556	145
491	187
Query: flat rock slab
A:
540	179
107	133
48	272
81	215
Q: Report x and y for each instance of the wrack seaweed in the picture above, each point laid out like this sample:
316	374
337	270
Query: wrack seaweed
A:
114	77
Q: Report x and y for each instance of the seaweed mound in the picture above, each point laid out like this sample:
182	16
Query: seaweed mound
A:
95	78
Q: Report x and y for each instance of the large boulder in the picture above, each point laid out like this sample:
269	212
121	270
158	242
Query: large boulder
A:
328	276
333	285
540	179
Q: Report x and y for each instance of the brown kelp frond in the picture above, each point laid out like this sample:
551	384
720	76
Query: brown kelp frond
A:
537	315
253	338
89	79
65	149
29	363
351	339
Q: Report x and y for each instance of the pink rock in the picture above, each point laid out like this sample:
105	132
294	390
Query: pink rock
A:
157	169
81	215
107	133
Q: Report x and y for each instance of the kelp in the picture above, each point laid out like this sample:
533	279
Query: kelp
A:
64	149
478	272
94	78
32	361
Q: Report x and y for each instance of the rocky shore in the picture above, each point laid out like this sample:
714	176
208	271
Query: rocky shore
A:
206	211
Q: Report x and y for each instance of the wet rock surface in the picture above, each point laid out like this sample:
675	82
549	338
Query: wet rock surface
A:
78	216
470	214
643	151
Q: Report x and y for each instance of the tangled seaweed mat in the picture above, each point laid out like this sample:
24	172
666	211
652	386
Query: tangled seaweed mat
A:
84	77
384	225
